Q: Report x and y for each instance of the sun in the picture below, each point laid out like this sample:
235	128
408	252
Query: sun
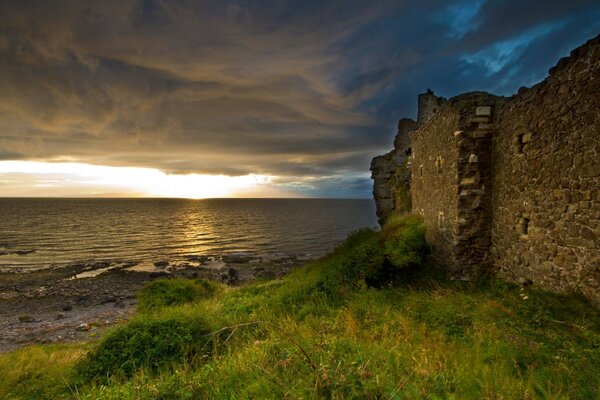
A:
56	178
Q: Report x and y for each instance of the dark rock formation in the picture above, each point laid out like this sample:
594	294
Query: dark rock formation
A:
391	174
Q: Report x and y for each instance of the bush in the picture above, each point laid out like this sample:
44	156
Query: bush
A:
206	289
364	256
171	292
403	241
375	257
151	343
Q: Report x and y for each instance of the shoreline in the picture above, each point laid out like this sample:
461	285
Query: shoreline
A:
79	301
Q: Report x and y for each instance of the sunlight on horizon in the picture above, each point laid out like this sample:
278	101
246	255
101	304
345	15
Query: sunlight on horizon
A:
78	179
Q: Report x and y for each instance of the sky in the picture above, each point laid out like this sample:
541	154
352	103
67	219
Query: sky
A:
182	98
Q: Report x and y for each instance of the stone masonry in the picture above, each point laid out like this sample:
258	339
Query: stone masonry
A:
510	186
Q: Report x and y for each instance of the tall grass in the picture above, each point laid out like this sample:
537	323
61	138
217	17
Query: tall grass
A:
324	332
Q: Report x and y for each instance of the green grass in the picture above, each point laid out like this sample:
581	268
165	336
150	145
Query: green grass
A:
323	332
171	292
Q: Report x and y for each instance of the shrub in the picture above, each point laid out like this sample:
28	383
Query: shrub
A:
207	289
365	256
403	241
170	292
149	342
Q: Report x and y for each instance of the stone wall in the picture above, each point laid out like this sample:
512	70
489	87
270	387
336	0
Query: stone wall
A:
391	174
546	201
434	182
512	185
428	105
451	182
474	173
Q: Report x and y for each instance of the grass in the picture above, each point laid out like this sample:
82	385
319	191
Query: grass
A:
323	332
171	292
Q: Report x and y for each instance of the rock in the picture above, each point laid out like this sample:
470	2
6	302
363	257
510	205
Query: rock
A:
129	264
59	316
483	110
161	264
119	303
82	298
23	252
265	274
525	282
195	258
67	307
25	318
391	174
157	274
233	273
237	258
83	327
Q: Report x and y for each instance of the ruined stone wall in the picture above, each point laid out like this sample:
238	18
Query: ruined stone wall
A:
512	186
391	174
451	182
474	172
428	104
434	183
546	201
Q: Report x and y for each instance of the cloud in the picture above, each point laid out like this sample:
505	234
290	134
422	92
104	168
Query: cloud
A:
299	90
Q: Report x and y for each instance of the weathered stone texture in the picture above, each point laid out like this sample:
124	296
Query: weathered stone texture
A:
451	182
391	174
546	202
512	186
434	183
429	104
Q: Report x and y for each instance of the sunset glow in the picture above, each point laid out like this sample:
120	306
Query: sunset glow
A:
80	179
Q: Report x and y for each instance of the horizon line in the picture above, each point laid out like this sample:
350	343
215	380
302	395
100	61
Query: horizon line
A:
185	198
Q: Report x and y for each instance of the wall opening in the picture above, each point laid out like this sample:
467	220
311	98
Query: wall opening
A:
439	161
519	144
523	226
441	221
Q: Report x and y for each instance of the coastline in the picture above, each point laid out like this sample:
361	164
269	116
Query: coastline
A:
77	302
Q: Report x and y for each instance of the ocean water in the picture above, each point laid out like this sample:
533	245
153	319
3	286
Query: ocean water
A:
42	233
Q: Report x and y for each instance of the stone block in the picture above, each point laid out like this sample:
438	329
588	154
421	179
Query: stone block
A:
479	120
483	110
481	134
467	181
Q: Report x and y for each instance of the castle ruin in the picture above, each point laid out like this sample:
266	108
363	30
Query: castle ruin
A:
507	186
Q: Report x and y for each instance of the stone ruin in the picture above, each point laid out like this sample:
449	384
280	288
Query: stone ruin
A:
507	186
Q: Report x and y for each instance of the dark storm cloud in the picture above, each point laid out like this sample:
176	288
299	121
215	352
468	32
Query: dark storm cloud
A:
500	20
308	91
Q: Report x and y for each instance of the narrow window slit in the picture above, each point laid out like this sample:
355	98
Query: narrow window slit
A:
519	143
523	227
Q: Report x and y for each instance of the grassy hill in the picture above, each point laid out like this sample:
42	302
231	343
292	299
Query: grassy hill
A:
371	320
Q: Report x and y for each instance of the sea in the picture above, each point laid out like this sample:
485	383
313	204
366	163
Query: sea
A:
38	233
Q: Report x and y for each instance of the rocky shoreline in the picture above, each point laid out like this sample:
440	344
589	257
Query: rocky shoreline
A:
78	301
